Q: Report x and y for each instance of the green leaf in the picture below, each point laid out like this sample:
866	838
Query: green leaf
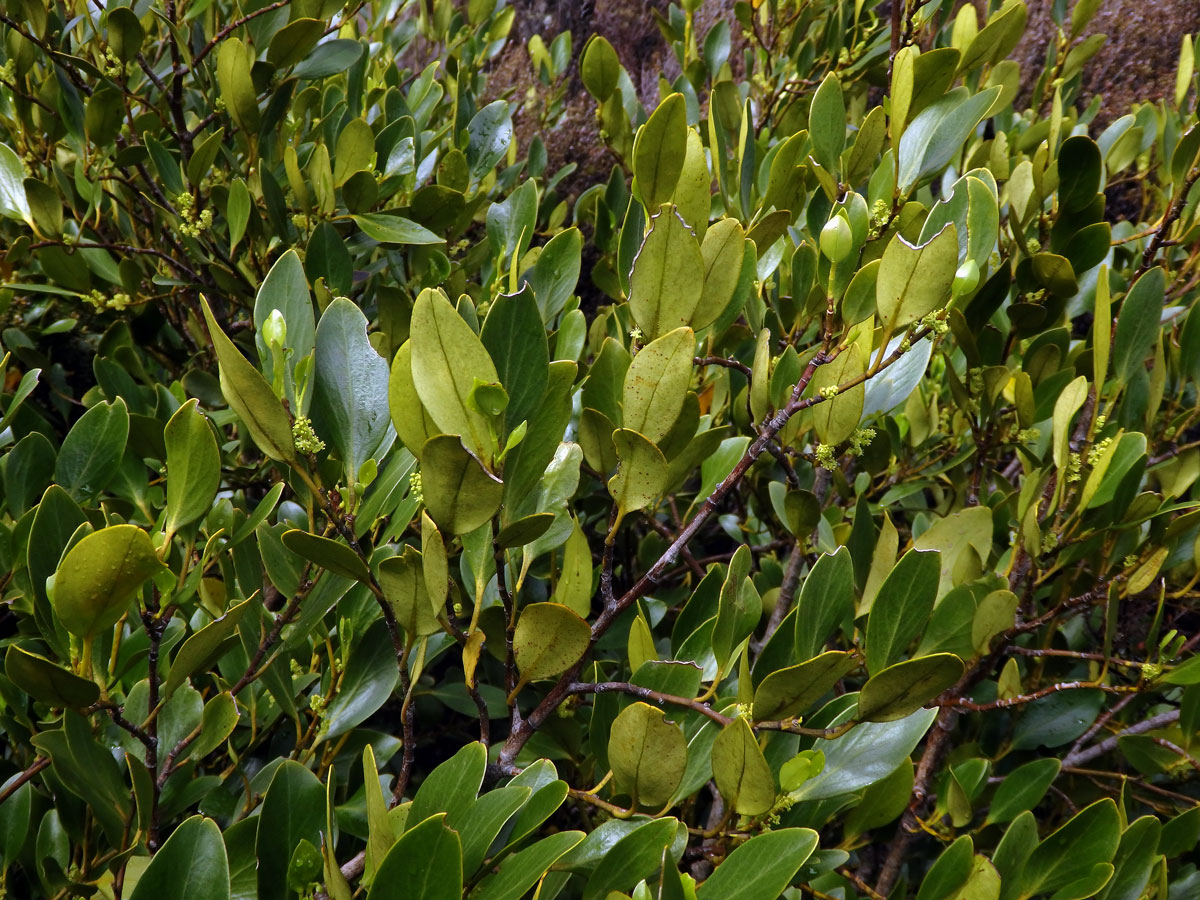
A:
330	58
100	575
369	681
938	133
286	289
1134	860
915	280
905	687
515	338
402	579
47	681
293	810
762	867
866	754
826	600
787	692
412	421
599	67
667	281
1138	324
1056	274
13	201
827	123
633	857
250	396
525	530
294	41
1090	838
996	39
722	250
555	275
389	229
902	607
659	151
1022	789
656	384
740	771
425	864
452	786
191	865
488	135
834	420
1058	719
91	453
193	466
459	492
237	85
237	212
549	639
647	753
217	722
480	824
447	360
949	872
350	388
14	820
203	647
642	474
521	871
327	553
354	152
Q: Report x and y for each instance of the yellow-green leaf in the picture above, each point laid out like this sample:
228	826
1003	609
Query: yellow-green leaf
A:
642	473
648	754
248	394
836	418
448	359
659	151
915	280
789	691
459	492
549	639
656	383
100	575
237	86
412	421
193	466
740	770
903	688
403	581
722	250
668	276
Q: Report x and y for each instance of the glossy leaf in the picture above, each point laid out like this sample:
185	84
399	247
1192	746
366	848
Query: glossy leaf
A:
648	754
667	281
549	639
740	771
100	575
193	466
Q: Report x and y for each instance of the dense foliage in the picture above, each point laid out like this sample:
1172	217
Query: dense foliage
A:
807	507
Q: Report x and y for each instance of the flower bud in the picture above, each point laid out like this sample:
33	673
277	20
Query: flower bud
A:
274	330
966	278
836	239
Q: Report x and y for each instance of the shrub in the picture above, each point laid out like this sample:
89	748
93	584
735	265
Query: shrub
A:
836	535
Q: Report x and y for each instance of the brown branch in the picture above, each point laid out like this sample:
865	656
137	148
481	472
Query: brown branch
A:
656	573
644	693
11	788
233	26
1078	758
